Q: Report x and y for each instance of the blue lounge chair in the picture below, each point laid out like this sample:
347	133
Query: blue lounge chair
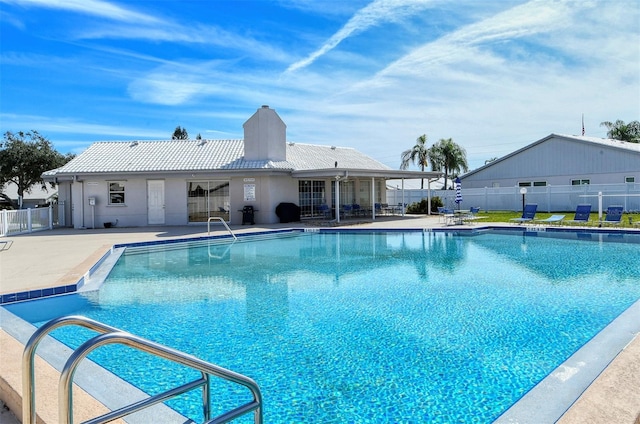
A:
528	214
614	215
553	219
582	214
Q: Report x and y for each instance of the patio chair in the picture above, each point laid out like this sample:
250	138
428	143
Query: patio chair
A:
324	210
553	219
347	211
473	214
441	217
448	216
582	214
614	216
528	214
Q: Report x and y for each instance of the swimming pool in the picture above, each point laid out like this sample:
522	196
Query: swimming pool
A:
364	327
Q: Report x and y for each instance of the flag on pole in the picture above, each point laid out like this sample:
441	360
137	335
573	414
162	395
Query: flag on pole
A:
583	124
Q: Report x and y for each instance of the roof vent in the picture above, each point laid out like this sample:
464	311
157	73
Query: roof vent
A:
265	106
291	143
202	142
133	144
333	147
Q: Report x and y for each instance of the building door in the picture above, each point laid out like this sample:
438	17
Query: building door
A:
155	201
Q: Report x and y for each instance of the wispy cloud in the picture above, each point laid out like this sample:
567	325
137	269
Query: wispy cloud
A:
127	23
90	7
376	12
535	17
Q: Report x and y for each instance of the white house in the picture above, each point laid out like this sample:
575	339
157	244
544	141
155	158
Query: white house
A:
179	182
36	196
561	160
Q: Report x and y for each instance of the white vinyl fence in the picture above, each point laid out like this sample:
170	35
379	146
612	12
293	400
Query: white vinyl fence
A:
25	220
548	198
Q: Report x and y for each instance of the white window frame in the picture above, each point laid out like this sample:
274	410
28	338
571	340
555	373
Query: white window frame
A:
121	192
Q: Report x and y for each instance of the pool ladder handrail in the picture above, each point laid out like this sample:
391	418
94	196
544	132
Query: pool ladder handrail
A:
111	335
217	218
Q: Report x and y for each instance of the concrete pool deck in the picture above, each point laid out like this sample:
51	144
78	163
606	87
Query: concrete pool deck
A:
62	256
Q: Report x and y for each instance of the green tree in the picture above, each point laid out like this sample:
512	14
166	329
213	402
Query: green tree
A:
447	156
23	159
620	131
180	134
418	154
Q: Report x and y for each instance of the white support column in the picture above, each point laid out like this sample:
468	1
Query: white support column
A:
373	198
337	206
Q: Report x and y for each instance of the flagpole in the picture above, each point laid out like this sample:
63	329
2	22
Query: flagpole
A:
583	124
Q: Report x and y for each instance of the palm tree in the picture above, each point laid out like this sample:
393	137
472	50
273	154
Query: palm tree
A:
419	153
448	156
620	131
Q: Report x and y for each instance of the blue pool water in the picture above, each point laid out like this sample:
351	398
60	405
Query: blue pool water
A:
363	327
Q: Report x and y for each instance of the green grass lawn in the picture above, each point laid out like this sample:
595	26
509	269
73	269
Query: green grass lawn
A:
506	216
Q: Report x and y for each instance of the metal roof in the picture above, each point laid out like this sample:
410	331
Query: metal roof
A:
604	142
303	160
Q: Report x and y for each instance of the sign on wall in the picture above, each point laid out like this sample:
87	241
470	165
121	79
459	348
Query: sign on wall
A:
249	192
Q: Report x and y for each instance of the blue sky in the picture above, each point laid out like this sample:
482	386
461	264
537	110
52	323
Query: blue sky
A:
493	75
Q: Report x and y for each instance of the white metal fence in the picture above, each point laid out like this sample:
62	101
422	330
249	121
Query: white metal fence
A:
25	220
548	198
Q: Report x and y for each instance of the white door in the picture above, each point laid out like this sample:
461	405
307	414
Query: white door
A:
155	201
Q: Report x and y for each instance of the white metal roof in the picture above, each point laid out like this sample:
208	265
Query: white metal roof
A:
206	155
615	144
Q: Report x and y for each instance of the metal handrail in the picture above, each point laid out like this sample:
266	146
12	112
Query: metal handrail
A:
217	218
112	335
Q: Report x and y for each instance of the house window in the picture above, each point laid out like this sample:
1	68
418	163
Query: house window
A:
206	199
116	193
580	182
311	194
629	179
539	183
524	184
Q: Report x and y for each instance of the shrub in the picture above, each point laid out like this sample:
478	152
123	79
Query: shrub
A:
421	206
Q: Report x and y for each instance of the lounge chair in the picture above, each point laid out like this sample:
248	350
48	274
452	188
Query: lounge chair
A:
614	215
553	219
528	213
582	214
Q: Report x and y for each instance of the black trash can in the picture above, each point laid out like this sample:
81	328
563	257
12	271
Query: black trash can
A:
248	215
288	212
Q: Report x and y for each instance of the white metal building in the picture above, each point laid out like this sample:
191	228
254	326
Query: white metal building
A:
561	160
178	182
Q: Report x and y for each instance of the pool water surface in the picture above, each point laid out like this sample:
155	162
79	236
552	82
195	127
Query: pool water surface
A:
360	327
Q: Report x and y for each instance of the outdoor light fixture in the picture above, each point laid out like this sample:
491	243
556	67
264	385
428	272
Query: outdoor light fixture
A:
523	191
